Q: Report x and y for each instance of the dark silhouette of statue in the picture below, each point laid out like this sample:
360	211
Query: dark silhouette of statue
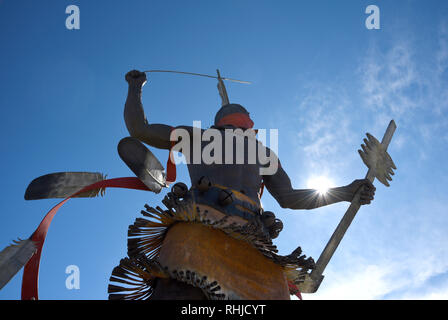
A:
223	184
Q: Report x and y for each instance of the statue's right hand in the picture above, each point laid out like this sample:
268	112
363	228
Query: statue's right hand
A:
135	77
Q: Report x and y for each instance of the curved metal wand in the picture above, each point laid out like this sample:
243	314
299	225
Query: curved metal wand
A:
198	74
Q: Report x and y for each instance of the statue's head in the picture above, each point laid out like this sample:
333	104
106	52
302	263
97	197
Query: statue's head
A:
235	115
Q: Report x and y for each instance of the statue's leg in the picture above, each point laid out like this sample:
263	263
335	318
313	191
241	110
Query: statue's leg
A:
143	163
171	289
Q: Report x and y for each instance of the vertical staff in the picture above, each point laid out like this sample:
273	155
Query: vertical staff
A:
378	162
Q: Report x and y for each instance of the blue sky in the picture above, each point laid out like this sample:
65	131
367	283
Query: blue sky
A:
318	75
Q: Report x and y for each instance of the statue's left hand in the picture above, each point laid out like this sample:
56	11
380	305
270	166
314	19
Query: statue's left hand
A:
367	191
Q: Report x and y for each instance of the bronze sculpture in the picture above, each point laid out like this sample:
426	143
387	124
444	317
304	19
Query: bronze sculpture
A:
214	240
215	190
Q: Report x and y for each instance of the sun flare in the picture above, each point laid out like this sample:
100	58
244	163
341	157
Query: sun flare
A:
320	183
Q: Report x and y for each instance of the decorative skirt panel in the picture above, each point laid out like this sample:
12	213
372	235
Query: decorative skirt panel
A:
222	247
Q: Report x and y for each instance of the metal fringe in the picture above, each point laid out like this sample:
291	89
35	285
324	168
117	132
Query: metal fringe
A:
135	278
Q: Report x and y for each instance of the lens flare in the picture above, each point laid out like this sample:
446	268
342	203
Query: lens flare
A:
320	183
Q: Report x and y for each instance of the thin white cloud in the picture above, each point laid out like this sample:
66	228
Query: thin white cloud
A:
442	52
373	282
398	83
325	133
366	283
435	294
390	83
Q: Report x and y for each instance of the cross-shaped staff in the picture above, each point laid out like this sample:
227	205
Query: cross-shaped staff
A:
374	155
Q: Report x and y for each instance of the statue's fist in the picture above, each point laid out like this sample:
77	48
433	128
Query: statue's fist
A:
135	77
367	190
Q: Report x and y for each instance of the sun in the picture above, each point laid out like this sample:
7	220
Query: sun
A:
320	183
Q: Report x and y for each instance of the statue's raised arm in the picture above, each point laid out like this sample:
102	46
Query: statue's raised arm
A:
156	135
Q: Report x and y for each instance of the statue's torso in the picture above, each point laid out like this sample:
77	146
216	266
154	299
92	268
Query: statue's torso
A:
238	169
